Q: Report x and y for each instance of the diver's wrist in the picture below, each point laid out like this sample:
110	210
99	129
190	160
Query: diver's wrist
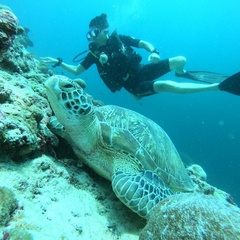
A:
155	51
58	62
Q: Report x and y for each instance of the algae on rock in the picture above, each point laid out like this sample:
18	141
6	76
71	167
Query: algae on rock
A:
193	216
8	204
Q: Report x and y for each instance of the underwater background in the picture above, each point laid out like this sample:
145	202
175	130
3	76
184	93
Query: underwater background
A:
205	127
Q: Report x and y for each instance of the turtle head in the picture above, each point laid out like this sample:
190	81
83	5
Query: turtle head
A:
67	97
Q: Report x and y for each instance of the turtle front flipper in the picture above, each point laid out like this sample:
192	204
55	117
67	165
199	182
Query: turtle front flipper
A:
56	127
140	192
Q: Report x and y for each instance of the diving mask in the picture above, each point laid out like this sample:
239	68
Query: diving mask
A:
92	34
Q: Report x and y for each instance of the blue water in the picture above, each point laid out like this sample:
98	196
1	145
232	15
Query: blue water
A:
205	127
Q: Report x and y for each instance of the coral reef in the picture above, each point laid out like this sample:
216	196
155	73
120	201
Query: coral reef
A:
193	216
18	60
24	116
8	28
23	37
197	171
16	234
24	110
199	178
8	204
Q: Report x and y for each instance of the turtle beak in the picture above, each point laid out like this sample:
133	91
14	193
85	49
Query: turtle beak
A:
52	89
52	83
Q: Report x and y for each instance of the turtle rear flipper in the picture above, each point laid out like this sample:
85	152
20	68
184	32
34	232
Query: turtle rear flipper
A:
140	192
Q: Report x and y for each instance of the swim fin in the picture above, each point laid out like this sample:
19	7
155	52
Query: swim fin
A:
231	84
203	76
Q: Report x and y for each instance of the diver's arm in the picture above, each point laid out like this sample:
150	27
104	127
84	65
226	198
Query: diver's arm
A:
146	45
76	70
154	56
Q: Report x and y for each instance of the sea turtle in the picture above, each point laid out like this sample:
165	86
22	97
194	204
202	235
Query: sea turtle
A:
130	150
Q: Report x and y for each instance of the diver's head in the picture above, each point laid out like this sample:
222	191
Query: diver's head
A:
99	22
98	29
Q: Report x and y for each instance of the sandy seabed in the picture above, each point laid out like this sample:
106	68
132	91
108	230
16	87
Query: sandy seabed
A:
59	200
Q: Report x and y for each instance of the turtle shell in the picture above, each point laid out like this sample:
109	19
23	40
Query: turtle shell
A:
134	134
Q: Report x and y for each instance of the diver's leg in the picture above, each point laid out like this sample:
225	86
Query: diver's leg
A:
175	87
177	63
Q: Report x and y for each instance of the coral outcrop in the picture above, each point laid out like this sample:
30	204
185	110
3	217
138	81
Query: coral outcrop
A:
24	115
16	234
8	28
193	216
199	178
8	204
24	110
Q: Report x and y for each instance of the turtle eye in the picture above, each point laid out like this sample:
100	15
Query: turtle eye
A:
68	85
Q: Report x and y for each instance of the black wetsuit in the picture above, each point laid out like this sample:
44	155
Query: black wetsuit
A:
123	68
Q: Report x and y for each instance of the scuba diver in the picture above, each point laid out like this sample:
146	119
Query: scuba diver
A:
120	66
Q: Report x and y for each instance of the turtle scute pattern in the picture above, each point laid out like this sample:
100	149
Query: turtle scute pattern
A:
146	141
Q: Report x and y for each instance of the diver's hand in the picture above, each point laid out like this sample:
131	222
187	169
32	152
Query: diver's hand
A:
49	60
154	58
